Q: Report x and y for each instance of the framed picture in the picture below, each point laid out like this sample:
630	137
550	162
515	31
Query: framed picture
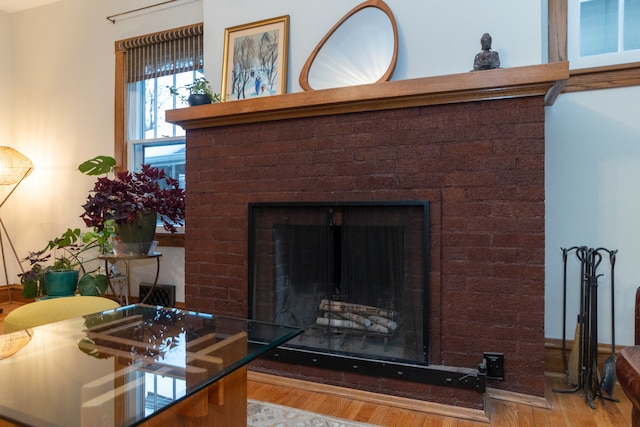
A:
255	59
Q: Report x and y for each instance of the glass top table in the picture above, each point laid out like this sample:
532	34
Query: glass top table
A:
135	365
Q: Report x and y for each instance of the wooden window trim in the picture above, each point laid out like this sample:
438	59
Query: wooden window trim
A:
171	240
607	77
557	27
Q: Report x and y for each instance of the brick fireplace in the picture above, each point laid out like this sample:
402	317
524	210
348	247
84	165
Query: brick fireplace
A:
471	144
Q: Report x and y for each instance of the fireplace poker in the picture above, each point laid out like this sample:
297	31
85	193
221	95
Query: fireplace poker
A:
609	368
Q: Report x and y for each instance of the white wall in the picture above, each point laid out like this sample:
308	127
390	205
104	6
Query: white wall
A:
592	176
434	37
63	113
6	77
592	138
7	91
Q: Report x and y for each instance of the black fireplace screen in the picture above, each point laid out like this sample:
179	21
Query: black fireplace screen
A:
353	275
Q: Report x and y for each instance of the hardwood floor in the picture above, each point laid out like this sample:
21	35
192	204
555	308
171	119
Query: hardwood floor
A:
562	409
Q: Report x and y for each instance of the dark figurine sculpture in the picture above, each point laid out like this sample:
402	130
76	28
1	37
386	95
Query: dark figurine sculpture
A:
487	59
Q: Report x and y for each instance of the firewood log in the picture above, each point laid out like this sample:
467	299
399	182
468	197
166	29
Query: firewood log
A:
341	307
356	318
338	323
390	324
376	327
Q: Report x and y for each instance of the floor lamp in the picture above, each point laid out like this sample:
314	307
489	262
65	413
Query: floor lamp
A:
14	167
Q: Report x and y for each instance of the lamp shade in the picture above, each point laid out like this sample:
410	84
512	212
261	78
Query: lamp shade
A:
12	343
14	166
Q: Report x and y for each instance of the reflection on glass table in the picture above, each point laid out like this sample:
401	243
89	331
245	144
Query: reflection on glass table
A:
136	365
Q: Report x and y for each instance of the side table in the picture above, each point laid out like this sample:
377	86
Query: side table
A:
127	258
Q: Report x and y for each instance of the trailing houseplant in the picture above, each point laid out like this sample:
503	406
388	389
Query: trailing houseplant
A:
199	92
113	206
131	198
72	253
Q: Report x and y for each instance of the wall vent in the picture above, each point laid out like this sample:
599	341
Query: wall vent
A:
162	295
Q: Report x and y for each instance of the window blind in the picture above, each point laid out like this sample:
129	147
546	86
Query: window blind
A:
164	53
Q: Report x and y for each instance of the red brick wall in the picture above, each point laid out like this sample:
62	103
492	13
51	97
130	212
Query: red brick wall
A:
481	164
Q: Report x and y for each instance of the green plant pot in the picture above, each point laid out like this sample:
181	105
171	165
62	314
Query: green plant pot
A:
135	238
61	283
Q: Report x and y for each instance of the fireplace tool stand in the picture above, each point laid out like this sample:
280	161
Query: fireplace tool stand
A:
582	366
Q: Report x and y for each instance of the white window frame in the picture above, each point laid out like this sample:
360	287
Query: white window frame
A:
573	42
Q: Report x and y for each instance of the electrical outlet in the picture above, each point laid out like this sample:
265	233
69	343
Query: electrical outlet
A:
495	365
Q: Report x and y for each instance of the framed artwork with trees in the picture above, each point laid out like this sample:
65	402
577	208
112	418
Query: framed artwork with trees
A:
255	59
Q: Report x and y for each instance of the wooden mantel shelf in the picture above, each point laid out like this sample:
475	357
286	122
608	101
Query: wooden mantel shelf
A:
534	80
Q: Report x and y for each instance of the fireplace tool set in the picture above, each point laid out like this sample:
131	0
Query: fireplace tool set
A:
582	365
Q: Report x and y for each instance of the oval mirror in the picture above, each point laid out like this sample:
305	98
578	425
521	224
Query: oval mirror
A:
361	48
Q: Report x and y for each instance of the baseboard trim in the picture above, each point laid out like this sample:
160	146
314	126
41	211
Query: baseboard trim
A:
556	344
367	396
554	359
16	294
519	398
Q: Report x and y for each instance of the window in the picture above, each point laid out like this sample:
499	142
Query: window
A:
145	67
603	32
150	138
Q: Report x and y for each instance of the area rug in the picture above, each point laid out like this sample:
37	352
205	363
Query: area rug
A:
262	414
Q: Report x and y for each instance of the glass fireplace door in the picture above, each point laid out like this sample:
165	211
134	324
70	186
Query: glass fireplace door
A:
351	275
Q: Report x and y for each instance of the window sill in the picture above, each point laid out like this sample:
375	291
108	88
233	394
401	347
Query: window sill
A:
172	240
607	77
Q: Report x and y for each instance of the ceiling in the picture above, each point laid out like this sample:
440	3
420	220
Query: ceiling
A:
11	6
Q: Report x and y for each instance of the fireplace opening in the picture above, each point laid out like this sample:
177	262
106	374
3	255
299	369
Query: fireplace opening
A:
352	275
355	277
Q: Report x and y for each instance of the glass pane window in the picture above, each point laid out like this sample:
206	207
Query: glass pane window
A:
631	35
157	99
151	139
603	32
148	101
598	27
167	154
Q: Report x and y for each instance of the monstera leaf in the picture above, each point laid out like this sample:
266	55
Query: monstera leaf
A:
98	165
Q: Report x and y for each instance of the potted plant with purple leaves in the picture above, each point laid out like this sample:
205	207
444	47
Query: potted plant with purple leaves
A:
135	201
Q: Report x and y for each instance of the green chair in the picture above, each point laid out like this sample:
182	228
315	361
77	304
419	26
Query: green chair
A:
53	310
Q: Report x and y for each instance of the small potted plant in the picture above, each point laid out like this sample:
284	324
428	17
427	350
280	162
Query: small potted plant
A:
134	200
200	92
72	252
